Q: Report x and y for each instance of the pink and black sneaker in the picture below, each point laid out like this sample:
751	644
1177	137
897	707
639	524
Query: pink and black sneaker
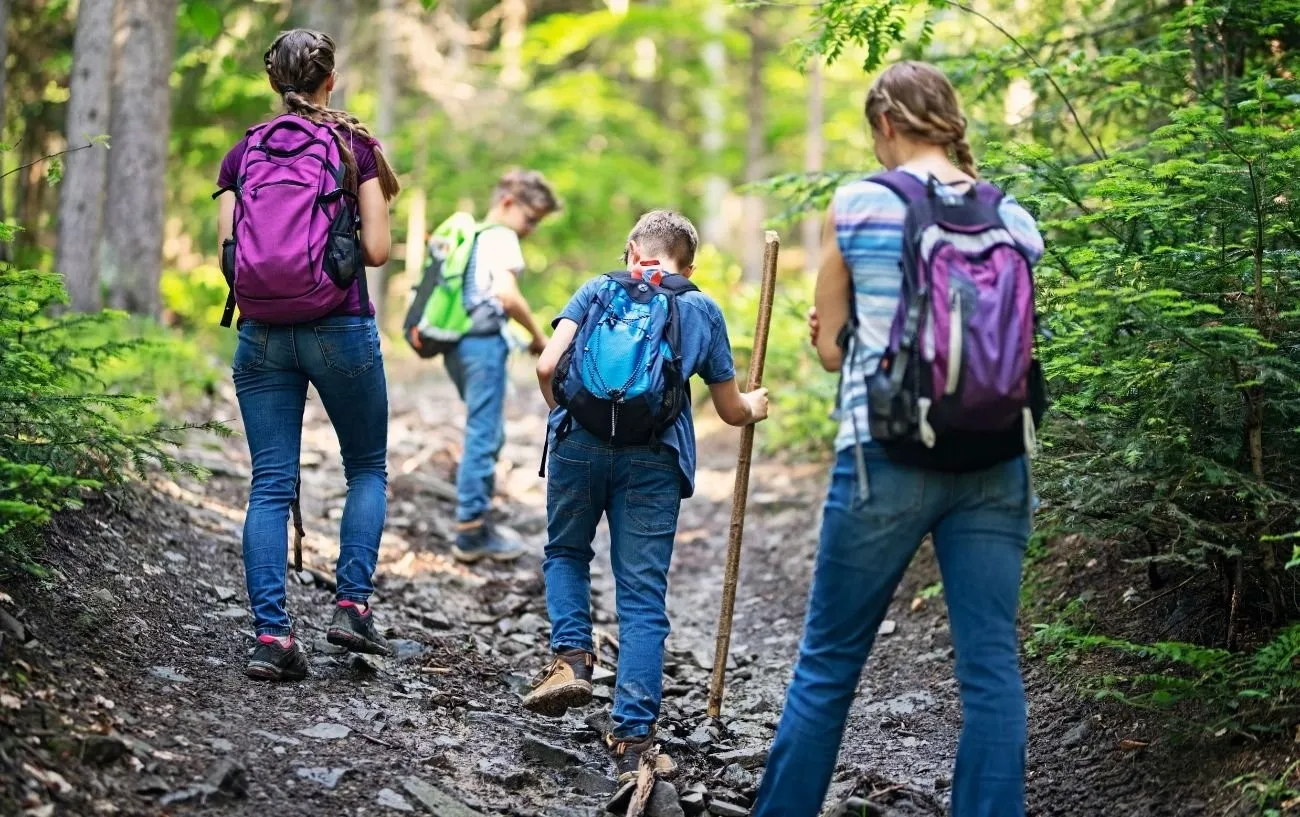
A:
353	628
277	659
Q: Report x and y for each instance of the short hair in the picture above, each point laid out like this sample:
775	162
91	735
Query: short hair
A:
529	187
665	232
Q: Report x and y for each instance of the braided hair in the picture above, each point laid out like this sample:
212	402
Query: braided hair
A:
298	63
920	103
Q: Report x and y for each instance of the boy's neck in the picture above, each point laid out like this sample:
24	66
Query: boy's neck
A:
667	265
496	215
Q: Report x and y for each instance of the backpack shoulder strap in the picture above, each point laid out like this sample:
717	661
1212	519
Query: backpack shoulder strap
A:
989	194
677	285
902	184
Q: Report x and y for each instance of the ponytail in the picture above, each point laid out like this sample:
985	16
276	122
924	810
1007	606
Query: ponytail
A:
297	63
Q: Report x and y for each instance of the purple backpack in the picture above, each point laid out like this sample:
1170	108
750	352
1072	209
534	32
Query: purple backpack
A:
958	388
295	253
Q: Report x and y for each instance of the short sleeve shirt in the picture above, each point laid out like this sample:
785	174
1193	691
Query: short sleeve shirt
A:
705	350
496	252
363	150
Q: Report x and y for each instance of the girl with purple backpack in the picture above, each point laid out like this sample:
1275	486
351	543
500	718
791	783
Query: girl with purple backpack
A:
303	210
924	302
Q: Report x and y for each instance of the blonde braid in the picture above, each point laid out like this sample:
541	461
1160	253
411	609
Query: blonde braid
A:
965	160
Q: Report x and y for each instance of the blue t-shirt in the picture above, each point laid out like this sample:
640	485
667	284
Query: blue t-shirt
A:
705	351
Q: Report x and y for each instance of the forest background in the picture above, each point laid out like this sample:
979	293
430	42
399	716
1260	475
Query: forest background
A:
1155	142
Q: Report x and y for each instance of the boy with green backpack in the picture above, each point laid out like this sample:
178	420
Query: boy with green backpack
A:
460	310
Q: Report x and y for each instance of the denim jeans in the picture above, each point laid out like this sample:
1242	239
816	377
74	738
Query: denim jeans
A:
980	524
639	491
478	368
340	356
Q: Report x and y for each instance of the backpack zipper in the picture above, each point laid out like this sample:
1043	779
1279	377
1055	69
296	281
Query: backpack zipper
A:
253	192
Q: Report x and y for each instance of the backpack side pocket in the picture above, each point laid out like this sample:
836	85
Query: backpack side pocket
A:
343	248
228	261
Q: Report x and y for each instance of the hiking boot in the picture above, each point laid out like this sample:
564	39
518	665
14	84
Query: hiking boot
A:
565	683
627	755
276	661
353	628
477	540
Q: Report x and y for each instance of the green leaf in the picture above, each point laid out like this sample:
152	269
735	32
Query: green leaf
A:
203	18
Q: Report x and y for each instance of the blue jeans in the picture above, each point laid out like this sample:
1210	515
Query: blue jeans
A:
478	368
639	491
980	523
273	364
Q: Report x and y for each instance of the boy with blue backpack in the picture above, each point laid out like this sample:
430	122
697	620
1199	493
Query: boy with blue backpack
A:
622	444
460	309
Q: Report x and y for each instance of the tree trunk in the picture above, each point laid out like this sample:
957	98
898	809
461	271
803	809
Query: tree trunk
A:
141	122
4	78
81	195
755	152
325	16
714	115
813	161
385	92
514	22
341	16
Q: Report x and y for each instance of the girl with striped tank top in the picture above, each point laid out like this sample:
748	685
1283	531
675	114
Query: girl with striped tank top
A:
878	511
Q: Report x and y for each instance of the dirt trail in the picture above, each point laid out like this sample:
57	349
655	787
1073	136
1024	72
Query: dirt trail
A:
123	690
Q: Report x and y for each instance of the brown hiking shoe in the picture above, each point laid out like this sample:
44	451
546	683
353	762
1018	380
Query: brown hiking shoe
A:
627	755
565	683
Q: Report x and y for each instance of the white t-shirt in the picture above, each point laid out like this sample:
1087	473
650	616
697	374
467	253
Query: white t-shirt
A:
496	252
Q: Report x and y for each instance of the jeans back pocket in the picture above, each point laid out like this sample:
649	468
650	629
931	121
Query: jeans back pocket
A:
348	349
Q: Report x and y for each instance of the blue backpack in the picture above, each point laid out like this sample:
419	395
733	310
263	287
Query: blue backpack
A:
621	379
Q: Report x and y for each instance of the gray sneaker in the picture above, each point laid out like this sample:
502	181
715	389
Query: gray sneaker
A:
477	540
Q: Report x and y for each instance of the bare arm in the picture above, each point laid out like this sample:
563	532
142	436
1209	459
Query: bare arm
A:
225	217
564	332
375	238
506	287
737	408
832	294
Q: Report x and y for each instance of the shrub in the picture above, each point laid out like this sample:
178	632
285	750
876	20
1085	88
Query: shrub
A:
63	429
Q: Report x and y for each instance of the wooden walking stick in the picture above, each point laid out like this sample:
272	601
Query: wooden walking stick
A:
739	497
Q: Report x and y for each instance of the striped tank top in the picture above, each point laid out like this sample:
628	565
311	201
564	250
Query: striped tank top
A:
869	230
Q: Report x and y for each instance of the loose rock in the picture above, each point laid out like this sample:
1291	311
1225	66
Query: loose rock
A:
663	801
326	731
391	799
101	750
437	801
724	809
327	777
548	754
749	758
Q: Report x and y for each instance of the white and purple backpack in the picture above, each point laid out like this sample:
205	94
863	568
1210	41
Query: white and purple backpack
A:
958	388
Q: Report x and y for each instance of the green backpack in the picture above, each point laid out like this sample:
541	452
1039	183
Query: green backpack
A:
437	318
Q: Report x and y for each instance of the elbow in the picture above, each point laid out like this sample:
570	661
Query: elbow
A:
545	371
735	416
375	253
831	356
832	362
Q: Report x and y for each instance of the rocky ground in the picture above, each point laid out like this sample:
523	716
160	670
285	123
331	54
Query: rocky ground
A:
122	690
